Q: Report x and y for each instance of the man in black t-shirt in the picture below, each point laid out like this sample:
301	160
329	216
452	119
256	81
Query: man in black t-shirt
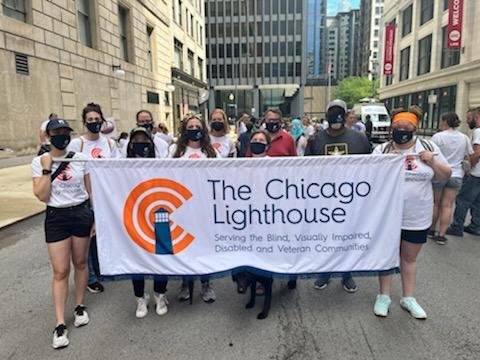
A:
337	140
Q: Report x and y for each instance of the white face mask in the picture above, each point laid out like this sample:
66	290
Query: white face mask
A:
336	126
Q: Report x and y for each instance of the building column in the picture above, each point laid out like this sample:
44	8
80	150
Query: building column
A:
256	102
461	103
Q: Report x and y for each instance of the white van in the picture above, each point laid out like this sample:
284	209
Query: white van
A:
380	120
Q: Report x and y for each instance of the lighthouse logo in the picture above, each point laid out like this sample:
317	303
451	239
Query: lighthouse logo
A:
146	216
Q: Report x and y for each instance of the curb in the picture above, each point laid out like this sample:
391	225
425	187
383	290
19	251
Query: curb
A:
20	220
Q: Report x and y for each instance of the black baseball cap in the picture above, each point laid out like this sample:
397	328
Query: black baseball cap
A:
58	124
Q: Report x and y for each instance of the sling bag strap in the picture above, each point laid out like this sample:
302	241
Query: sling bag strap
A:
62	166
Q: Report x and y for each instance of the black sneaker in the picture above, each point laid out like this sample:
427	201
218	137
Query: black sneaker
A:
440	240
349	285
321	283
469	230
60	339
454	232
95	288
431	233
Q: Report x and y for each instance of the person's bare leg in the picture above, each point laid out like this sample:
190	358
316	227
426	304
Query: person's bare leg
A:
79	258
408	266
448	199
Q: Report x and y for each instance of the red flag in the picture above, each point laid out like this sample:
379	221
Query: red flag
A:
389	50
455	19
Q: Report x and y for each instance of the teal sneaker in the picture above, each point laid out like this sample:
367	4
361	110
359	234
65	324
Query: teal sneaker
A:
410	304
381	305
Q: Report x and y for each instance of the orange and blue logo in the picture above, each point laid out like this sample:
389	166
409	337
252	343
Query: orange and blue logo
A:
146	216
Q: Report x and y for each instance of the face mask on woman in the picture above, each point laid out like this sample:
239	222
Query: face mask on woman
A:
194	134
142	149
258	148
94	127
217	126
60	141
401	136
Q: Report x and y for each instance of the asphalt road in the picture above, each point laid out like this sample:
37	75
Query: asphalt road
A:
303	324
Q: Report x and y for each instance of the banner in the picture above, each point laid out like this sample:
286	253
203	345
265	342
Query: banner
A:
388	55
455	19
283	215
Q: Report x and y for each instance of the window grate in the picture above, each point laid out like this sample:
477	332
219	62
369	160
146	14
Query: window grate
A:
21	64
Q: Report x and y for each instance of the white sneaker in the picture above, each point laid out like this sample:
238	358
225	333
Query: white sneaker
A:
207	293
81	316
142	306
410	304
161	303
60	339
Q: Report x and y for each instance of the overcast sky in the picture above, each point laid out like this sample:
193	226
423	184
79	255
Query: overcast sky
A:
334	6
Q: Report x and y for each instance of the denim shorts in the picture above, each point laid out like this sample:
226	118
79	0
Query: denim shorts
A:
452	183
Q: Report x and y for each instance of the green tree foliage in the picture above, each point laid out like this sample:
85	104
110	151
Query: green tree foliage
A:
352	89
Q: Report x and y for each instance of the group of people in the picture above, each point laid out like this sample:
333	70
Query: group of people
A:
69	224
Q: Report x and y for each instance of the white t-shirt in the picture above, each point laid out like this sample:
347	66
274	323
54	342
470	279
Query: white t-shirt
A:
309	131
359	126
190	153
68	189
165	137
301	145
476	140
161	147
454	146
418	192
102	148
224	145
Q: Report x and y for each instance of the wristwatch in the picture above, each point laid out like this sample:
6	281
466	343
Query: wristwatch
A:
46	172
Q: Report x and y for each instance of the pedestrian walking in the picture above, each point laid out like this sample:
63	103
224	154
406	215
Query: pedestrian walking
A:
194	143
337	139
95	146
65	188
219	130
141	146
456	147
423	162
469	195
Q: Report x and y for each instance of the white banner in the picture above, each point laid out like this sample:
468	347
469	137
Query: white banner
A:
283	215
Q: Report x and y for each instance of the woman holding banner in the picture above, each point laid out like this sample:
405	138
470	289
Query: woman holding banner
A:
141	145
65	188
423	162
219	134
194	143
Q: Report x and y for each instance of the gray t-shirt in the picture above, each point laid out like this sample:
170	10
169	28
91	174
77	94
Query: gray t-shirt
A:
348	143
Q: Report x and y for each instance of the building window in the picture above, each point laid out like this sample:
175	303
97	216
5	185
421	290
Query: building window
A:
407	21
15	9
259	50
123	15
426	11
424	55
229	50
236	50
266	47
191	63
200	68
191	25
84	24
267	70
166	98
283	6
299	6
178	12
450	57
388	80
445	5
404	63
200	35
178	54
149	48
212	8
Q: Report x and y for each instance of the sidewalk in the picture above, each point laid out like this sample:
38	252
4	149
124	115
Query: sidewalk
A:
17	201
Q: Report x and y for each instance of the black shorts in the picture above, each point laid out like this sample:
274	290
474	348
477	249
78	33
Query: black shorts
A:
415	236
61	223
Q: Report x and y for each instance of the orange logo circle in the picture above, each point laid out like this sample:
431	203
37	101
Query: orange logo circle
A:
141	212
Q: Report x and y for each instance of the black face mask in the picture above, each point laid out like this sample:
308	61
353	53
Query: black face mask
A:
401	136
335	120
217	126
272	127
94	127
257	148
60	141
194	134
472	125
142	149
147	126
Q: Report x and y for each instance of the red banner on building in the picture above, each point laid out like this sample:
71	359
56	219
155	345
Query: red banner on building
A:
389	50
455	19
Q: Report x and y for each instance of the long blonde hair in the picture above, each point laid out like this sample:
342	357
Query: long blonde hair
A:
226	125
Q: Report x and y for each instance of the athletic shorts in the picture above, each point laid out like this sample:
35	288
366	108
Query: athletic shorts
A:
62	223
452	183
415	236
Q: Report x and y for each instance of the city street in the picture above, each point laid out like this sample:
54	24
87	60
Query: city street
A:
303	324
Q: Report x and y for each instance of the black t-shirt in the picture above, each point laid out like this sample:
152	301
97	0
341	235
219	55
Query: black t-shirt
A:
347	143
